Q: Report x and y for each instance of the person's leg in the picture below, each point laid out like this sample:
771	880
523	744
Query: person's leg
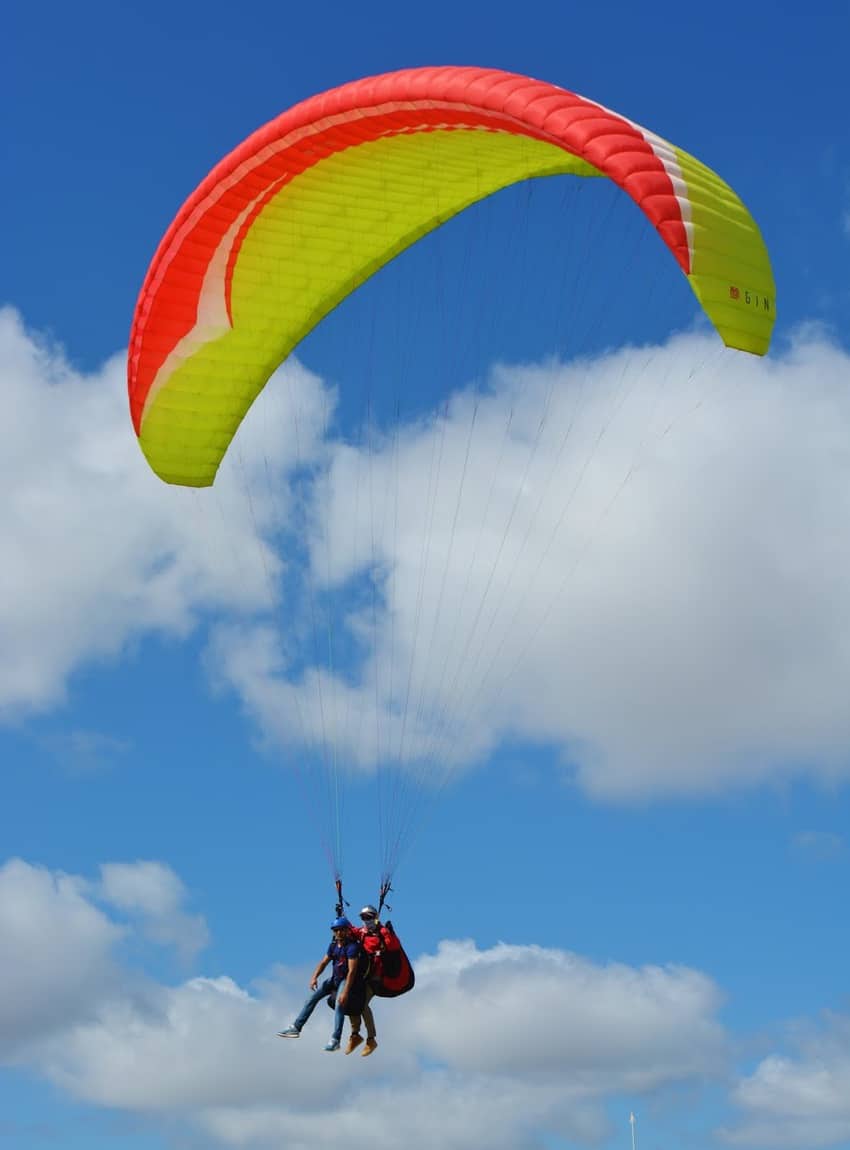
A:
368	1018
321	991
355	1038
339	1018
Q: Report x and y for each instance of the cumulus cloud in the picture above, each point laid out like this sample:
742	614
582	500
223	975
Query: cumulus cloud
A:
56	962
209	1052
441	1109
154	893
627	558
633	559
802	1102
595	1022
539	1038
615	1028
97	551
60	962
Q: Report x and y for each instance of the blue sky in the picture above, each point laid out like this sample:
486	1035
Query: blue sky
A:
630	895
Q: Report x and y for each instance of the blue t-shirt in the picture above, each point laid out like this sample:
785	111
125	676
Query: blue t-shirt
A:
339	953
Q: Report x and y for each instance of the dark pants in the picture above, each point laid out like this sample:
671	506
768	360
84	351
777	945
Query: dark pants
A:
366	1014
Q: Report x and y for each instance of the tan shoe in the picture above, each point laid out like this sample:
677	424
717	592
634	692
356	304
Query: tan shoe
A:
353	1042
371	1043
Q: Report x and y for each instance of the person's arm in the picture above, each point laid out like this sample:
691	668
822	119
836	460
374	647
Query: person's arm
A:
349	978
314	981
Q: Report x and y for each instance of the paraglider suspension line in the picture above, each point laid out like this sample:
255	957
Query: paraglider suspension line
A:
340	901
382	899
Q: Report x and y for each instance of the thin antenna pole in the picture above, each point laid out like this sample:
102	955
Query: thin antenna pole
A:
632	1124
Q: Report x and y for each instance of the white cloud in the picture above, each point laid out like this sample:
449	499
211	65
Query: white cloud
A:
60	955
155	893
477	1015
596	1023
191	1045
537	1039
150	887
633	561
56	955
441	1109
97	551
799	1103
638	563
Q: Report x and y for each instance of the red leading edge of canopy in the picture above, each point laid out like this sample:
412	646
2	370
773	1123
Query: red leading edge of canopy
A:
361	111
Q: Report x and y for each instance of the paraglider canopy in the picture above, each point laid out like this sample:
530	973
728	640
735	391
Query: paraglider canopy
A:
312	204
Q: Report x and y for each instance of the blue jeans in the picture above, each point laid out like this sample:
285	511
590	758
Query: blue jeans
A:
323	990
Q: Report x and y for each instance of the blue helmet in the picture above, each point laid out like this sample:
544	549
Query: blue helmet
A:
340	923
